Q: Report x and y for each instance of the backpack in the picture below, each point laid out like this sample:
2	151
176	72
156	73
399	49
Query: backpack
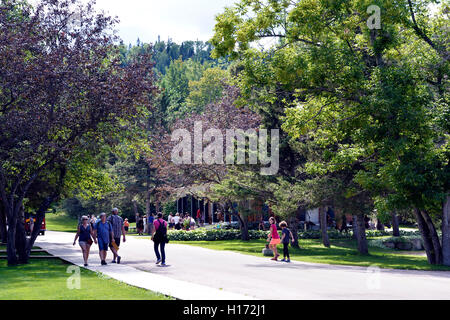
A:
161	233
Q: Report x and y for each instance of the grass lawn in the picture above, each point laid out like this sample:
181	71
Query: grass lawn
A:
47	280
61	222
342	252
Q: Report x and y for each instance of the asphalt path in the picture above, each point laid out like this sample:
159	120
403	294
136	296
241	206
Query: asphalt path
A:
261	278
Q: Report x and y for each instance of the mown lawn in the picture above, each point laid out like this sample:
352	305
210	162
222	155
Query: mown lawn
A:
47	280
342	252
61	222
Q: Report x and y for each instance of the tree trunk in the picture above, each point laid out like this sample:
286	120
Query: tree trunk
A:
434	237
21	239
355	228
395	225
40	216
11	242
293	225
446	232
148	203
324	226
242	221
361	235
244	228
3	230
135	208
425	232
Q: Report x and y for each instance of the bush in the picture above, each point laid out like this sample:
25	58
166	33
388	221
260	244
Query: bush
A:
401	242
233	234
213	235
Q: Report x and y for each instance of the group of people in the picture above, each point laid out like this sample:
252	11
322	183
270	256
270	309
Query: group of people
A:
145	224
181	221
107	233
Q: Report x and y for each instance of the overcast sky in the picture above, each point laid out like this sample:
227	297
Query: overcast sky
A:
179	19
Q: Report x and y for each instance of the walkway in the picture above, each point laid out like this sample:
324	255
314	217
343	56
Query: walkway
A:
198	273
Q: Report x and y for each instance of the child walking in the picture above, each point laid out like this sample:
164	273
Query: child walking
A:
286	235
274	238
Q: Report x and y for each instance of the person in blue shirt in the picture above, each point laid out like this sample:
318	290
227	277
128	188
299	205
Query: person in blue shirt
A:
103	232
150	221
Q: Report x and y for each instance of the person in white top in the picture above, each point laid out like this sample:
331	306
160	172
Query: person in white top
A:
176	220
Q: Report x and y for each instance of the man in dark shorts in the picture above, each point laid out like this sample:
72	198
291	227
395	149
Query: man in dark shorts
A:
118	230
103	233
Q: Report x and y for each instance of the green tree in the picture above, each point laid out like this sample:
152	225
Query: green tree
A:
352	90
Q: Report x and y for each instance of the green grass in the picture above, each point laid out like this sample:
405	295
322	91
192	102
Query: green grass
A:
61	222
47	280
342	252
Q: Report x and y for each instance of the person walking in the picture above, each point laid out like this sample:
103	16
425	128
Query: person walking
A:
274	238
92	221
118	230
150	226
140	226
286	238
103	234
126	225
160	239
85	235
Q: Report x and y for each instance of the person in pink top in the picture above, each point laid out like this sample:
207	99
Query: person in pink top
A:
274	238
160	239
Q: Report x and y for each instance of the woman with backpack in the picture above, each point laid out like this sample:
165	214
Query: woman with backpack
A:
160	239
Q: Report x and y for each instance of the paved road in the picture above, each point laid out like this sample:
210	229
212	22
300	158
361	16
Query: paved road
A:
261	278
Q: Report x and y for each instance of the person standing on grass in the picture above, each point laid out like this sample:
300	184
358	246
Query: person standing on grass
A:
159	238
85	235
103	234
286	237
118	230
126	225
274	238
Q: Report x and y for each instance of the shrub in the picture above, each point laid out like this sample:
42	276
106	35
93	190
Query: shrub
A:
234	234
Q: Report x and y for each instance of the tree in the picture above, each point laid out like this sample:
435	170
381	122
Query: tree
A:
352	90
199	179
62	88
207	90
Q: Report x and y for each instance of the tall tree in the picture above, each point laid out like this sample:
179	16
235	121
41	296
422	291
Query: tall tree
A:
351	89
61	84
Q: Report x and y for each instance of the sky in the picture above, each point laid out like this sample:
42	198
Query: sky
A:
178	19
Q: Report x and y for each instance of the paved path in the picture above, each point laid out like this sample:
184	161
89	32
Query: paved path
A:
198	273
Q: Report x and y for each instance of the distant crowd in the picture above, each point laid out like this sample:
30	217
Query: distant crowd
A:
178	221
